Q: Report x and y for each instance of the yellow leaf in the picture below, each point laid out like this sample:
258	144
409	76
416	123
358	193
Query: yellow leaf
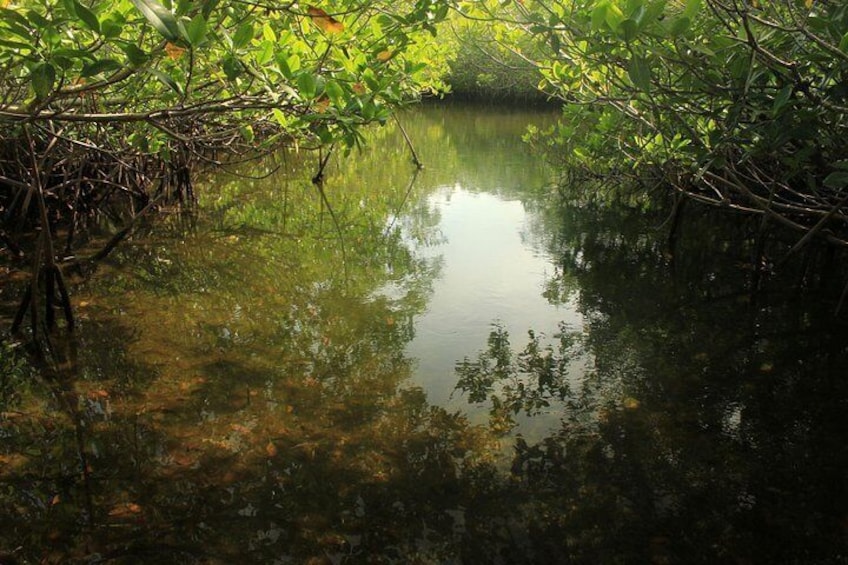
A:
321	106
325	21
808	4
384	56
174	51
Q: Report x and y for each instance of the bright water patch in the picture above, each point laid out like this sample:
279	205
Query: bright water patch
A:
492	271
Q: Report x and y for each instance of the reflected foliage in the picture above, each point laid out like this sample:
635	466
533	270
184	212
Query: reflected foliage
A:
708	427
462	145
526	382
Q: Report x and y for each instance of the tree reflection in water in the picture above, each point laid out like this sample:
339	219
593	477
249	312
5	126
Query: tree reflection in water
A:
710	424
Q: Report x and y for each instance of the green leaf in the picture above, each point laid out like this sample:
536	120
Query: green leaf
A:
614	16
196	30
15	44
243	35
43	76
692	8
73	54
232	67
135	55
638	14
280	117
110	29
599	14
167	81
843	44
836	180
283	65
371	81
679	26
640	73
781	99
101	66
265	53
306	84
159	17
87	17
38	20
654	11
335	92
208	7
630	29
16	23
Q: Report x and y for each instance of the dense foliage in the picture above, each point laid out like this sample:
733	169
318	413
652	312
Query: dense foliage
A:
225	67
117	100
733	102
482	68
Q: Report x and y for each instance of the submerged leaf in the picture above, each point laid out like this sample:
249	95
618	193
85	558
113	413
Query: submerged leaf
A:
126	510
630	403
271	449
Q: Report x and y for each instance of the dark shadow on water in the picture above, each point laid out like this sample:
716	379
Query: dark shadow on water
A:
710	424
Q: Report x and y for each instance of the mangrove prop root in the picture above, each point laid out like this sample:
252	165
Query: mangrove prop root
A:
54	287
65	298
57	182
22	308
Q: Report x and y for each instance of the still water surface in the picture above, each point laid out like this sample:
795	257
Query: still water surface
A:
271	380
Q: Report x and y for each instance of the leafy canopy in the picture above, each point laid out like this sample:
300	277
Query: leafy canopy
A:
217	68
741	103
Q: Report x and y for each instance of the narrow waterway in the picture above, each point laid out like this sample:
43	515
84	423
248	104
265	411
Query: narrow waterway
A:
437	366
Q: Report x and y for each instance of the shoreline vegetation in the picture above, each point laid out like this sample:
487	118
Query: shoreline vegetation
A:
107	110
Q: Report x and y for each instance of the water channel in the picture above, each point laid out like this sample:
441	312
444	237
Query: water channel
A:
441	366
